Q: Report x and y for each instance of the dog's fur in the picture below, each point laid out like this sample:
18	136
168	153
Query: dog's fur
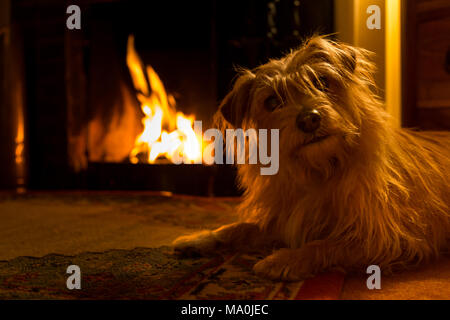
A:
369	193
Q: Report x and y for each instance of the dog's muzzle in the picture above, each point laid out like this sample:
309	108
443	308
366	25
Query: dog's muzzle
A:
309	121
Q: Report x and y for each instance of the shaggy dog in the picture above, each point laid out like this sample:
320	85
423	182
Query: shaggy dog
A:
352	189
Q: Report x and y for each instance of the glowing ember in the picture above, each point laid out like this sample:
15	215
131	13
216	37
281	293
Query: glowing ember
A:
167	133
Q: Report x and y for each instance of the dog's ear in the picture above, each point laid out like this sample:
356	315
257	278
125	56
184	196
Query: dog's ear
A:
235	105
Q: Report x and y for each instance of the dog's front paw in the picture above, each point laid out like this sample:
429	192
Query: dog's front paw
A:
282	265
197	244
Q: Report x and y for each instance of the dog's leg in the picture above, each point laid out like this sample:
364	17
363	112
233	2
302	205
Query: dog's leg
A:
305	262
236	236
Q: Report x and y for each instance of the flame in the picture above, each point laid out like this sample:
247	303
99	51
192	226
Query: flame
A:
167	133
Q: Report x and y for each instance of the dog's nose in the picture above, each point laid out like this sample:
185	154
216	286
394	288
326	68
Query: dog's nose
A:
309	121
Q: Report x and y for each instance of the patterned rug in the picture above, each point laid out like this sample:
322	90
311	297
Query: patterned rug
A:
145	273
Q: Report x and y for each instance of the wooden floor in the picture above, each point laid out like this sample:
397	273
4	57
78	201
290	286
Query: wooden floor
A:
430	282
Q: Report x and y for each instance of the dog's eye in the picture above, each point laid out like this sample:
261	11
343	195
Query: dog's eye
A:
272	103
321	83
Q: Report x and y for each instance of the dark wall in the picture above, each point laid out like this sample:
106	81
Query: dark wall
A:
426	65
6	129
251	32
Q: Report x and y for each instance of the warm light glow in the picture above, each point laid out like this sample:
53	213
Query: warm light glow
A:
167	133
351	17
393	60
20	138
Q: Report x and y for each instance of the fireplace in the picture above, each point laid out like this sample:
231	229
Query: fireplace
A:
89	95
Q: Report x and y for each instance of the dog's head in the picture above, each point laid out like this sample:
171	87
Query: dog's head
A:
320	96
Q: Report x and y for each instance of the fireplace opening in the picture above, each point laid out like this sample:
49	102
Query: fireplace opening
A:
160	71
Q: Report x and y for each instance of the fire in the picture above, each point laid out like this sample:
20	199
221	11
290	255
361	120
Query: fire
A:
167	133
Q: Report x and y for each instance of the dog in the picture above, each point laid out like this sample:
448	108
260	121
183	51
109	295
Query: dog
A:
353	189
